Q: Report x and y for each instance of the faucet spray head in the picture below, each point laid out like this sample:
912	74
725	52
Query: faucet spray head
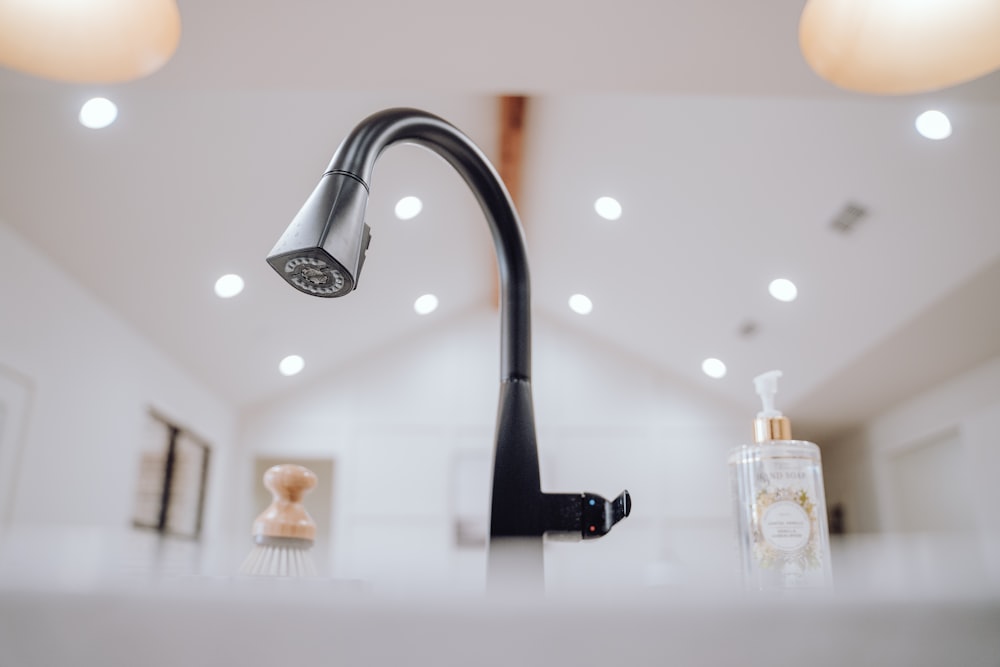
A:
322	251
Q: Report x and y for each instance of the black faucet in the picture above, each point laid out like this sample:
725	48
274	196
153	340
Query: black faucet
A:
322	253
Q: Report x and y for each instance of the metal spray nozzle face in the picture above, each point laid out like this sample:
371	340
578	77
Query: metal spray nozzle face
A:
314	276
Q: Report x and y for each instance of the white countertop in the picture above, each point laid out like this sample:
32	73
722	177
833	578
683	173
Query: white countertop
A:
60	618
219	622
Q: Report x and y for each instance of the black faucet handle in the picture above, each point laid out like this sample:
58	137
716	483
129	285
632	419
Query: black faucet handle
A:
583	515
599	514
621	507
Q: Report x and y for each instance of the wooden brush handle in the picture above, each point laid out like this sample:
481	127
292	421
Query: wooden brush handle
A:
286	516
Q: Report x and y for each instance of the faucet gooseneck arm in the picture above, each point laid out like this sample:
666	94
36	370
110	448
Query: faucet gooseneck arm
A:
322	253
356	158
515	508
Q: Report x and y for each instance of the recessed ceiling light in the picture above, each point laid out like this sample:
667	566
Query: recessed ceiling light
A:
408	208
713	368
933	125
228	285
291	365
97	113
608	208
783	289
428	303
581	304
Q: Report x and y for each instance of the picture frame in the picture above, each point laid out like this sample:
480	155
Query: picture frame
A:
173	480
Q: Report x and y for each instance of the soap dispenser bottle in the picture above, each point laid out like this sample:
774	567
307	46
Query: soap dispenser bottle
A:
780	506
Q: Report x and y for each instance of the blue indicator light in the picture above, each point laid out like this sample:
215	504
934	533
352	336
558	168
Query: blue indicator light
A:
592	502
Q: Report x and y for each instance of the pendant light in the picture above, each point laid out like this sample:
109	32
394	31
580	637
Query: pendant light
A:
88	41
900	46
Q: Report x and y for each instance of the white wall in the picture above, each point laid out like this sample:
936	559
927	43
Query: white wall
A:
960	417
92	382
395	423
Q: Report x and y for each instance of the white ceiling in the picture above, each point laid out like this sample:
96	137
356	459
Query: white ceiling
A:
729	156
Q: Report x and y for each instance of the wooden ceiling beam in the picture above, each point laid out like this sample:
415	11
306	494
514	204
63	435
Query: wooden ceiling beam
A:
510	166
512	110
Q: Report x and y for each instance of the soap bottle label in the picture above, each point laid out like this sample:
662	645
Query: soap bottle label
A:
786	523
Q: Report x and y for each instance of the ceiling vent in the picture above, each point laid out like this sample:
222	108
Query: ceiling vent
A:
848	218
748	329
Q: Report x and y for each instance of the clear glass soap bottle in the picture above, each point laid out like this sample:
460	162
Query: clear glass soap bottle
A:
780	506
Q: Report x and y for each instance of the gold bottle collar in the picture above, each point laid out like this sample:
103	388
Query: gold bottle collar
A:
771	428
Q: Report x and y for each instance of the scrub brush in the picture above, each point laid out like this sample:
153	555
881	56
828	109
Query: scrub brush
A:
284	532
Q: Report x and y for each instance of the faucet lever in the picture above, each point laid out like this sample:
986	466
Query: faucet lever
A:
574	516
599	515
621	507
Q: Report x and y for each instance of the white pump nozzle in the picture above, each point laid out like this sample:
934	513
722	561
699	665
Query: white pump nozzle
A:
766	385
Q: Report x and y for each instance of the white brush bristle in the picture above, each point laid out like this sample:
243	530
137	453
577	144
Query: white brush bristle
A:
273	560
